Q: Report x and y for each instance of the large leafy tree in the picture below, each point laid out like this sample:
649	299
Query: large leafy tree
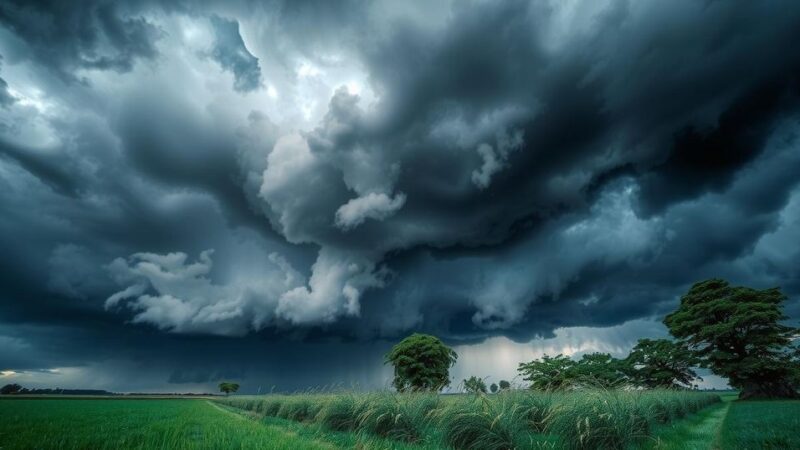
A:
738	334
228	387
662	363
421	363
549	372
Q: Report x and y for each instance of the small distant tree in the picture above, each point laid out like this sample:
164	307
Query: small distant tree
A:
549	372
228	387
504	385
737	332
474	385
10	389
662	363
493	388
421	363
600	370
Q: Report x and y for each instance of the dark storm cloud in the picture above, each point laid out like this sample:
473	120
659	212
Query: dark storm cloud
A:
86	35
472	170
230	52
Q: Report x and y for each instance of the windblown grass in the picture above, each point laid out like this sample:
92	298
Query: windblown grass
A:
585	419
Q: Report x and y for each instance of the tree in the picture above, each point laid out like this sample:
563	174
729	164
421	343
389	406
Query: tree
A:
493	388
736	332
474	385
662	363
10	389
421	363
600	370
228	387
557	372
504	385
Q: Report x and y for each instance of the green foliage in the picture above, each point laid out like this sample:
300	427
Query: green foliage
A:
601	370
561	372
556	372
504	385
661	363
493	388
737	332
421	363
474	385
228	387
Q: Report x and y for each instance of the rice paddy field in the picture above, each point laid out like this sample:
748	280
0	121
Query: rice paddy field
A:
517	419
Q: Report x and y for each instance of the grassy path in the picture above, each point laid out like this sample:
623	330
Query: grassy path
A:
700	431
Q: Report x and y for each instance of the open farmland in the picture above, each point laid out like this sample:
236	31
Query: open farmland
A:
134	424
518	419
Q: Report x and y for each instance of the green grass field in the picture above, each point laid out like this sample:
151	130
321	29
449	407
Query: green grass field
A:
136	424
762	425
584	420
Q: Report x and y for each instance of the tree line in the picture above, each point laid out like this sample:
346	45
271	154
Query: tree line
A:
736	332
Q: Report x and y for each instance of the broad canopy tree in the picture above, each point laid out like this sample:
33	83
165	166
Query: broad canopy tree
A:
421	363
737	332
661	363
228	387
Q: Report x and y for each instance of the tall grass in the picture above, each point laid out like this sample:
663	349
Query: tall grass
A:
585	419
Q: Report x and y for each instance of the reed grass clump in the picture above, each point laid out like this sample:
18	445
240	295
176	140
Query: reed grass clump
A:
390	416
483	423
342	411
581	419
600	420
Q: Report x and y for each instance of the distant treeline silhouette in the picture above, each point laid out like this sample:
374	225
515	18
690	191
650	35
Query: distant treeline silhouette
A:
16	389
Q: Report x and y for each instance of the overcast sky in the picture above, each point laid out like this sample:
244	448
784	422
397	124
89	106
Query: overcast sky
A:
274	193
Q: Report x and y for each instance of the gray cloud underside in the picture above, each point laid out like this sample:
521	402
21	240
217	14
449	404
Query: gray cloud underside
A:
472	170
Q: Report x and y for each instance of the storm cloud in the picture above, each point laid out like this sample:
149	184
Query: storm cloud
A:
266	179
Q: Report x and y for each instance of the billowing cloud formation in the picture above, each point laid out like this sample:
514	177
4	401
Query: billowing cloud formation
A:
475	170
186	300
